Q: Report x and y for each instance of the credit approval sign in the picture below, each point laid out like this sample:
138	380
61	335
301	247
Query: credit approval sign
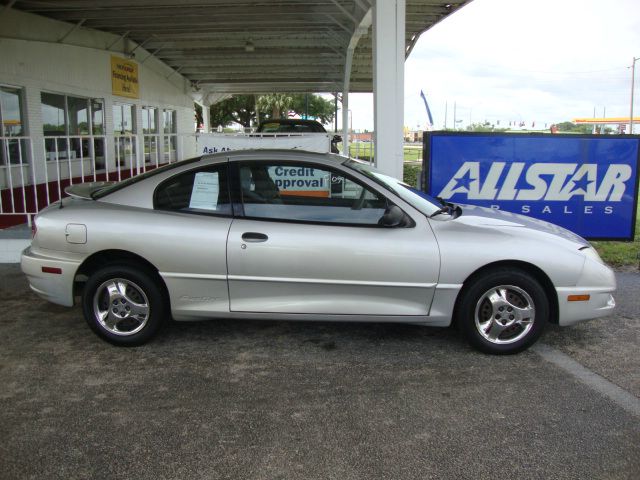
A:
301	181
585	183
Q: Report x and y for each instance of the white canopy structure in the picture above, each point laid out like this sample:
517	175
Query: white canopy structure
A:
257	46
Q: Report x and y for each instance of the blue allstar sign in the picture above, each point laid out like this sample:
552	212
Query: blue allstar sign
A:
585	183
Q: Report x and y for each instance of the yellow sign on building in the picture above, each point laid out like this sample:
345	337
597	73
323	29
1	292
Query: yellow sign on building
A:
124	77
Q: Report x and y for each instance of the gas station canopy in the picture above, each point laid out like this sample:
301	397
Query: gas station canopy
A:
249	46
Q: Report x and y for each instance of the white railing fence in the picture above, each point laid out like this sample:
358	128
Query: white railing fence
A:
362	150
15	153
35	171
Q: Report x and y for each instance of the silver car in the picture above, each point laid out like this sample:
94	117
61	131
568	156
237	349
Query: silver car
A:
292	235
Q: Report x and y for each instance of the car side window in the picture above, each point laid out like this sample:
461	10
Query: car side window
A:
203	190
303	192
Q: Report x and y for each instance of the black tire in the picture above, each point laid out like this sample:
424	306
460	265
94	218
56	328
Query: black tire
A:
493	326
125	323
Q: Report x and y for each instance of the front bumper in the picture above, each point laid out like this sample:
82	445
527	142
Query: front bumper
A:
54	287
600	304
598	282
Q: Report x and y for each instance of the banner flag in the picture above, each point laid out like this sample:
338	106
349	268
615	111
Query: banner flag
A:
426	106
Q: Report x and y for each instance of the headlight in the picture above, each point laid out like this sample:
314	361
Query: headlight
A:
592	253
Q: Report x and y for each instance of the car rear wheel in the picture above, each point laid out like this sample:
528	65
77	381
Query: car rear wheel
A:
123	305
503	311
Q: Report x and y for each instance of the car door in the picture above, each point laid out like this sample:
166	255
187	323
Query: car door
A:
309	243
191	219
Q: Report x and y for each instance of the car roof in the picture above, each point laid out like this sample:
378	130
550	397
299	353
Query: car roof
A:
271	154
293	122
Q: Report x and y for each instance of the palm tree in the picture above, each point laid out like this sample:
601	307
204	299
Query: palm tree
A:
278	103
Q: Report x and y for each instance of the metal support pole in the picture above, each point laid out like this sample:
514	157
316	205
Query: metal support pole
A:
151	54
335	112
455	119
446	107
345	11
633	79
350	122
173	72
339	23
255	98
141	44
345	123
72	29
119	38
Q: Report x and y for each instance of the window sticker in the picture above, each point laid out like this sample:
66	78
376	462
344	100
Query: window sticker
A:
204	195
301	181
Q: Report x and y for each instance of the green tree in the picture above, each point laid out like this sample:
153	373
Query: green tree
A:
319	108
484	127
239	109
276	103
573	128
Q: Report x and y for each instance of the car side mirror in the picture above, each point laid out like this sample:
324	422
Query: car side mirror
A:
336	139
393	217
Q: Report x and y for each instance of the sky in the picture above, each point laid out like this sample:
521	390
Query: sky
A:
542	61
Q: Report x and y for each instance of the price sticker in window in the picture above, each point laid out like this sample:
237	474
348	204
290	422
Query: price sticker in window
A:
205	191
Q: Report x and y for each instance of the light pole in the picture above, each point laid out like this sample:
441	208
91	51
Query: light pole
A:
633	78
455	120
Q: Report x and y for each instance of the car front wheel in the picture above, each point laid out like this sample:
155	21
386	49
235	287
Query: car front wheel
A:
503	311
123	305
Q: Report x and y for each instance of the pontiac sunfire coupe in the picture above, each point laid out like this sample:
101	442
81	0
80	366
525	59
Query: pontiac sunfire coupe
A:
291	235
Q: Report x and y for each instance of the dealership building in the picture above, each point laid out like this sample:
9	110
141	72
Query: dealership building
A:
93	90
81	111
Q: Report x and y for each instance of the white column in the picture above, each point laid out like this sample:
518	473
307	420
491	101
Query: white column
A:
388	84
361	30
345	123
206	116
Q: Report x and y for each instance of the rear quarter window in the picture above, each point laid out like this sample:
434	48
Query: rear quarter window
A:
130	181
203	191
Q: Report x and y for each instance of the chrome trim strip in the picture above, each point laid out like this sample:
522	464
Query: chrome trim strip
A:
199	276
330	281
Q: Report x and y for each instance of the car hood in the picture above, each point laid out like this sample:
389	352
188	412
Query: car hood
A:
481	216
85	190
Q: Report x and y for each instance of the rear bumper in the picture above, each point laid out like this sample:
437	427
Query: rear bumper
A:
54	287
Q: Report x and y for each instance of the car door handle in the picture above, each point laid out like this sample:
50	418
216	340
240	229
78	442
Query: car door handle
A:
254	237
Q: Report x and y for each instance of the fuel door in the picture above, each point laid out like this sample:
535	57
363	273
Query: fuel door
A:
76	233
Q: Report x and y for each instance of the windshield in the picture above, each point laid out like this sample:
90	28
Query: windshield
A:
421	201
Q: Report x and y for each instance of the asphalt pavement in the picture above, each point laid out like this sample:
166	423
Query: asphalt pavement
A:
278	400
